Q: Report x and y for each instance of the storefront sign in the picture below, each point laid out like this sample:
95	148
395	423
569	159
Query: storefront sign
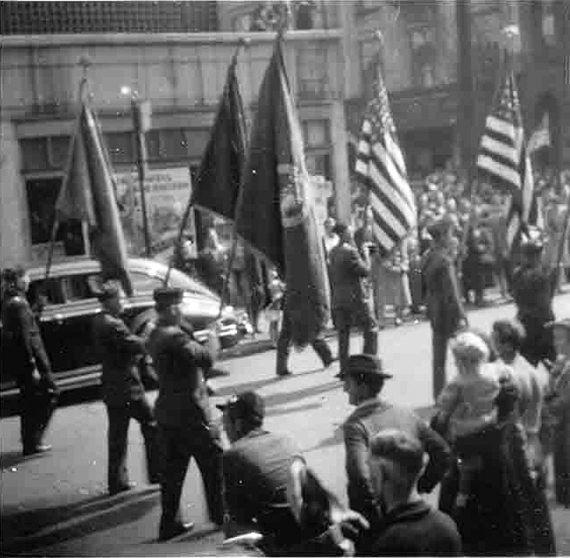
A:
167	192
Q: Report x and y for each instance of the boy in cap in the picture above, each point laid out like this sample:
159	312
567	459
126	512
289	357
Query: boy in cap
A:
364	378
444	308
124	396
22	341
256	472
183	413
409	527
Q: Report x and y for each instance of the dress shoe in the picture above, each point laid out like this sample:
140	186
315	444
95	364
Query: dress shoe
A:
42	448
283	373
174	531
122	488
329	362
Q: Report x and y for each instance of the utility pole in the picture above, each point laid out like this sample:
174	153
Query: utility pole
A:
465	89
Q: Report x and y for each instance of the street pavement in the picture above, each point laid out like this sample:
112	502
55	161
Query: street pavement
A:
55	504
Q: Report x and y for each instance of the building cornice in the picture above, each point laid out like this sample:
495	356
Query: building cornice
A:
122	39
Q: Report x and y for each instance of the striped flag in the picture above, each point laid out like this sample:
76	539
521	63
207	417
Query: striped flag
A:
541	136
380	165
504	157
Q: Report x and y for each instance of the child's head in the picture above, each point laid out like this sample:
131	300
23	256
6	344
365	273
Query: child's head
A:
469	351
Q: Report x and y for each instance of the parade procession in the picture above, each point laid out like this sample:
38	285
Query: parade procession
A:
193	193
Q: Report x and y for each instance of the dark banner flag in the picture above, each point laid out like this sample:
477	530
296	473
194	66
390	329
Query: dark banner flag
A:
218	180
88	194
275	211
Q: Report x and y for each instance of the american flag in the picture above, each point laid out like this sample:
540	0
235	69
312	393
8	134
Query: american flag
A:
380	165
541	136
504	157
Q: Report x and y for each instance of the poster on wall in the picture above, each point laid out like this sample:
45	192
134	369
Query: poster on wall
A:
167	192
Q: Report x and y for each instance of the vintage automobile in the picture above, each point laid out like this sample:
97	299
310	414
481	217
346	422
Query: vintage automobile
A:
68	303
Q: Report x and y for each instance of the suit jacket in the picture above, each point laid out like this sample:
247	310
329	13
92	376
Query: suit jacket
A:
180	363
347	269
367	420
444	307
119	351
21	339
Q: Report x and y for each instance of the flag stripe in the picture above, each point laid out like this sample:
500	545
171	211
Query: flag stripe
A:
506	152
500	127
495	167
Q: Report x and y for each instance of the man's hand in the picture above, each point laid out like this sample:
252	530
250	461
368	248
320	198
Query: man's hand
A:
35	377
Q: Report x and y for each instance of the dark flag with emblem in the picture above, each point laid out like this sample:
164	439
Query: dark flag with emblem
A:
217	183
275	212
504	158
88	195
380	166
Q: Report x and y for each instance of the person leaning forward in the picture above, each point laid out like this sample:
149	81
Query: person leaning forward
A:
350	305
363	381
183	413
123	391
444	308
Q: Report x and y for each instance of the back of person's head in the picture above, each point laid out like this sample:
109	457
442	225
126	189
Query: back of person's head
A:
509	332
400	457
245	412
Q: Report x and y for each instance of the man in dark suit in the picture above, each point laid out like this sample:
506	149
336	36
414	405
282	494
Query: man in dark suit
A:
533	289
23	346
183	412
444	308
350	306
124	395
364	379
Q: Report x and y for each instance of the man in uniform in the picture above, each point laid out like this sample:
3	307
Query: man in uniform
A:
533	289
350	306
444	308
123	391
24	350
363	381
183	413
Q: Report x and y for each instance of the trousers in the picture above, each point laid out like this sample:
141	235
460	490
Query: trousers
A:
120	416
440	340
37	404
319	345
178	444
344	319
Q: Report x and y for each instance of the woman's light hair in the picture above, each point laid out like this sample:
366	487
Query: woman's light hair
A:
469	346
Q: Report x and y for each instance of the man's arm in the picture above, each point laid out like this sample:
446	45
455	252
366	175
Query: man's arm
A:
360	495
439	454
358	265
129	342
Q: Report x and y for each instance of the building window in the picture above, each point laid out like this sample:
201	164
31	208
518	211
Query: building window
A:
548	24
58	151
34	154
312	68
423	56
120	147
316	133
319	164
42	195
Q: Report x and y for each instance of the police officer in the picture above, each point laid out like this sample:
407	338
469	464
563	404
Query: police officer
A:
444	309
350	305
183	413
21	340
533	289
120	352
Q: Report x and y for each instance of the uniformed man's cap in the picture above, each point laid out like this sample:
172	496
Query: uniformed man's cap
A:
398	446
364	365
340	228
439	228
531	241
12	274
108	291
166	296
247	405
563	323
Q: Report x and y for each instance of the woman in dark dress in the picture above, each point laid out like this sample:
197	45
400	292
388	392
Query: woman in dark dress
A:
506	512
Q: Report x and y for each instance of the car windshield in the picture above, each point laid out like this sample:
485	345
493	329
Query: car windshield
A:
182	281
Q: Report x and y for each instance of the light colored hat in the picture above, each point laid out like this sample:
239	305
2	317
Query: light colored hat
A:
470	346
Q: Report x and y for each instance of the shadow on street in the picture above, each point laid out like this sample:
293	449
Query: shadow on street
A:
24	531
